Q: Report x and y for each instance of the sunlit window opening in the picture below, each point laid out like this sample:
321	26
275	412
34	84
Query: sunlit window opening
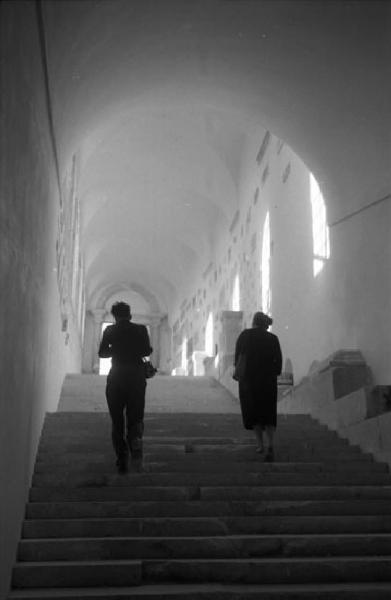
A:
184	356
236	294
320	231
104	363
209	336
265	267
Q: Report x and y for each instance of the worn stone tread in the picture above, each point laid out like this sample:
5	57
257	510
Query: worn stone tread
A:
215	591
103	463
210	481
228	546
200	526
205	508
234	570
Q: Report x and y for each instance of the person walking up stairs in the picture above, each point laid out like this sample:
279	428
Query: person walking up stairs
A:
208	519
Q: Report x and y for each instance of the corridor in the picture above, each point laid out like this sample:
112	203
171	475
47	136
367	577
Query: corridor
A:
200	160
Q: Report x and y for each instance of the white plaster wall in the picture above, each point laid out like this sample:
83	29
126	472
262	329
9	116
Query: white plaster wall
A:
347	305
34	355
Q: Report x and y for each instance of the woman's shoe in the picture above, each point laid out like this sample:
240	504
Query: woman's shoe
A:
260	450
269	456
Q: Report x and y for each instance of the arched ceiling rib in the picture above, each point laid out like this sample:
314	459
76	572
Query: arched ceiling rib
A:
162	290
120	290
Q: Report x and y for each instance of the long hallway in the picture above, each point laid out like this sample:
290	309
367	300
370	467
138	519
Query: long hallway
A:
209	518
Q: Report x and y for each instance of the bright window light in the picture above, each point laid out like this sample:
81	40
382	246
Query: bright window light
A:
236	294
209	335
320	230
184	356
104	363
265	267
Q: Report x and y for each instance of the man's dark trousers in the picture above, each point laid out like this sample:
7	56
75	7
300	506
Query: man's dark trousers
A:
125	393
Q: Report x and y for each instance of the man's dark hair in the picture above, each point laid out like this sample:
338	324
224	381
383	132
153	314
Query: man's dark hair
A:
120	310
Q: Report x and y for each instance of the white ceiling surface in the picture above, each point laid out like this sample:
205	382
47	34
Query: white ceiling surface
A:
160	98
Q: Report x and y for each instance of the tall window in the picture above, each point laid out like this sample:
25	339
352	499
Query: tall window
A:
236	294
209	336
184	356
265	267
320	231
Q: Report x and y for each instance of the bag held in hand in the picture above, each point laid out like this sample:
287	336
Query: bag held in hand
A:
149	369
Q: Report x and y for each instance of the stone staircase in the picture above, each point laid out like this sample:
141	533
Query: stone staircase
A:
208	519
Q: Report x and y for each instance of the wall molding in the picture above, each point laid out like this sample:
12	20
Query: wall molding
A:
360	210
45	69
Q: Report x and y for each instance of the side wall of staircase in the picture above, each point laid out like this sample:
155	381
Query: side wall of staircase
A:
339	392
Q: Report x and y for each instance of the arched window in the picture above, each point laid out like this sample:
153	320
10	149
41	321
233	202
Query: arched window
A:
209	336
236	294
265	267
320	231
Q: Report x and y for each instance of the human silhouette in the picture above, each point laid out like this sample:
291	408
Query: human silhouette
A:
126	343
259	354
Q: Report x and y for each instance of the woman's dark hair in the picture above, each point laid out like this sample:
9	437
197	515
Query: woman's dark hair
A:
120	310
262	320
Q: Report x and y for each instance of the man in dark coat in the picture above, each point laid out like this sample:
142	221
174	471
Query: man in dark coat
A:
260	356
126	343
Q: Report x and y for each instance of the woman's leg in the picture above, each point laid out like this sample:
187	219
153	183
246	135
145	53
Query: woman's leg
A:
116	404
258	430
270	429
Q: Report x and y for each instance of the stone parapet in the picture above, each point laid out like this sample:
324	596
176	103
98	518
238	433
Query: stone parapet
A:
339	393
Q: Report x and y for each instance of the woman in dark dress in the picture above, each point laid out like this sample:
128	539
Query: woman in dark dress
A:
259	354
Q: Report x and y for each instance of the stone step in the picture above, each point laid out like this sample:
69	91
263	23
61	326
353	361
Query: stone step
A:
167	419
253	570
204	434
104	464
320	492
288	454
270	570
205	508
72	573
212	591
232	546
178	426
101	433
151	493
181	480
104	443
204	526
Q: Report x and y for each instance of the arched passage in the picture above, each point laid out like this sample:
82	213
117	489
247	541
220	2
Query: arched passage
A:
161	153
158	94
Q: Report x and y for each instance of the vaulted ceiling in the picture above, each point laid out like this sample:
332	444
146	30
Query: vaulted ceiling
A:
159	98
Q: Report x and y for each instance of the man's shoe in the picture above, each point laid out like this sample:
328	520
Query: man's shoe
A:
137	465
122	465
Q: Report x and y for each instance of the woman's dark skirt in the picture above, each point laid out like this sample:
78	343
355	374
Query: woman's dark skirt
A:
258	402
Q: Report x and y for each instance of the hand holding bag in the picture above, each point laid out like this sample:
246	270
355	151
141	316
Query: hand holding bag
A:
149	369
